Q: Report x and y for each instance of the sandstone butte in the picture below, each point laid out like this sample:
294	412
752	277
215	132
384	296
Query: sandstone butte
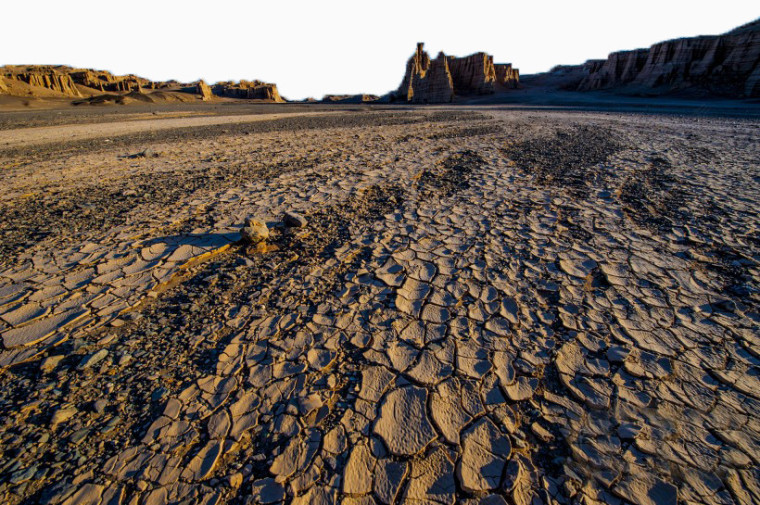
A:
440	80
63	81
725	65
248	89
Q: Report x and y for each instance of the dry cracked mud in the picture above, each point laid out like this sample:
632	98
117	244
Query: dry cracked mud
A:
490	307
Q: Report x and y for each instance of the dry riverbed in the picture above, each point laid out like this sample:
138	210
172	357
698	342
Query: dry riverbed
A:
482	307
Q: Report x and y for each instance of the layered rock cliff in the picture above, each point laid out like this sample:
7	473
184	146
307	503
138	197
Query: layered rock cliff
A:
726	65
439	80
63	81
256	90
104	81
42	77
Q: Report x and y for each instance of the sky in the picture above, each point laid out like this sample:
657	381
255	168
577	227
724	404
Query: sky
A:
312	48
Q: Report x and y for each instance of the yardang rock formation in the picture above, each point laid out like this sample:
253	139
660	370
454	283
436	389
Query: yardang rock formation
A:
440	80
248	89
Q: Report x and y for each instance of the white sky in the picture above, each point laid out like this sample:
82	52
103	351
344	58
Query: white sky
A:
310	48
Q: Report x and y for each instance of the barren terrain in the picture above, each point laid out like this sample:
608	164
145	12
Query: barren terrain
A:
484	306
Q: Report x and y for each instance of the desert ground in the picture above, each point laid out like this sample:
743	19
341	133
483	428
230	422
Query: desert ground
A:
489	305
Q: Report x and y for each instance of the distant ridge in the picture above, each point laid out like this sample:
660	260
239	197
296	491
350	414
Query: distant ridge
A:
101	86
725	65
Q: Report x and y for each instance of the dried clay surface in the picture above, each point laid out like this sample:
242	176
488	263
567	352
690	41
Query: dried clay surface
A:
450	306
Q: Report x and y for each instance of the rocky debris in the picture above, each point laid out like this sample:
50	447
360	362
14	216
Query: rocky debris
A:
254	90
439	80
204	90
725	65
254	231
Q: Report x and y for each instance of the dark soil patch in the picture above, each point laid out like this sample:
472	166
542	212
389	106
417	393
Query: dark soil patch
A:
451	175
568	158
472	131
653	198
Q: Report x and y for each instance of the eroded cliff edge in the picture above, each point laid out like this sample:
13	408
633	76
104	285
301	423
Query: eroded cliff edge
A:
725	65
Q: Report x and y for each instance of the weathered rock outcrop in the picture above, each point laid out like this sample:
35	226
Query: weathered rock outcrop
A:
439	80
204	90
349	98
506	76
727	65
427	81
105	81
73	82
255	90
42	77
67	81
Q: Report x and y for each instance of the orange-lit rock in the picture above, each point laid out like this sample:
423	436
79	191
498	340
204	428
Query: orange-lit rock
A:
439	80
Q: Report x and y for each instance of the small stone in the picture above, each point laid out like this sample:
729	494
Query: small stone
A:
93	359
235	480
50	363
100	405
125	359
63	414
294	220
254	231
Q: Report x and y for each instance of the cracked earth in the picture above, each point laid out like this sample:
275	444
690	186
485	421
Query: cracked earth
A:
482	307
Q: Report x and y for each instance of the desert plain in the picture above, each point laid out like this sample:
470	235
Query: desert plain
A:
454	304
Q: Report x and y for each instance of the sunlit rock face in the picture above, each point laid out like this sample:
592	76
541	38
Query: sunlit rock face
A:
440	80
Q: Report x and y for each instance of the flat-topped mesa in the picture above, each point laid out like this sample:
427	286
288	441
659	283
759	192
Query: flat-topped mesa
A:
255	90
439	80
